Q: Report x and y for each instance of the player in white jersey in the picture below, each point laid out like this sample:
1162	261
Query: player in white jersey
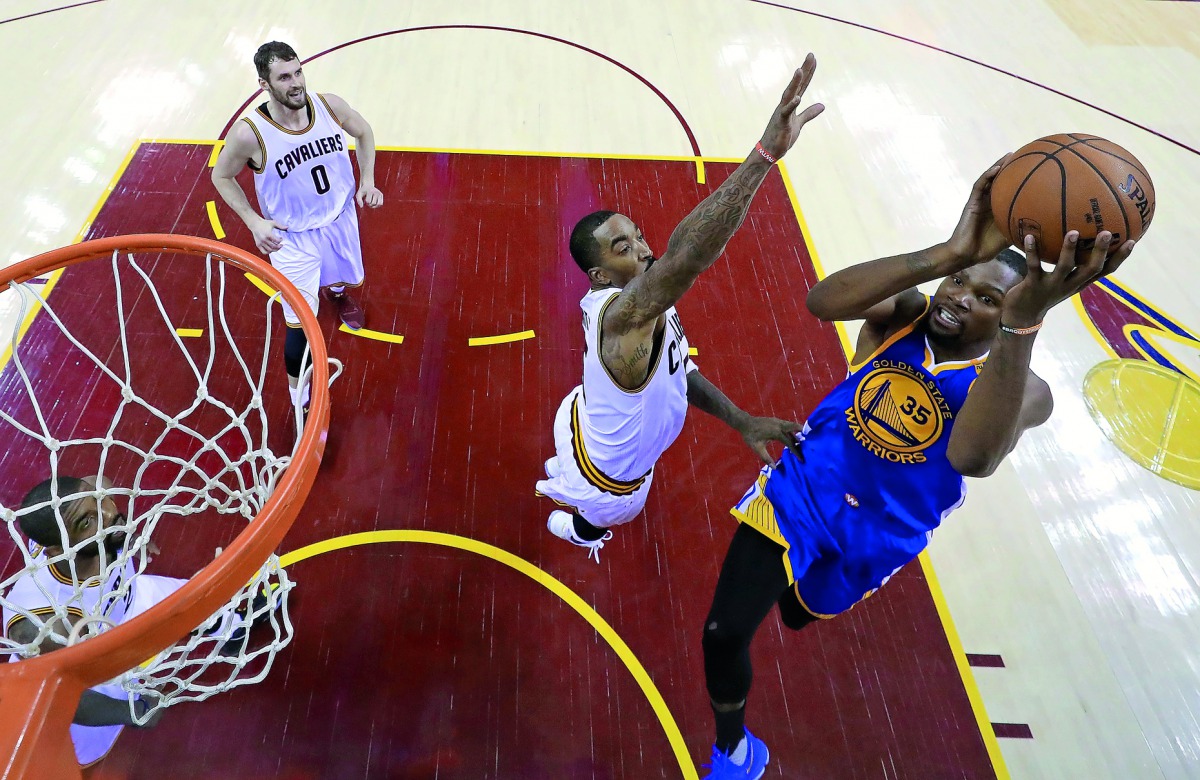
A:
93	525
295	143
33	607
638	378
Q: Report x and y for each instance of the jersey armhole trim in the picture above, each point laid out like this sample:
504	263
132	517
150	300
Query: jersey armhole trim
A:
262	146
892	339
656	353
332	113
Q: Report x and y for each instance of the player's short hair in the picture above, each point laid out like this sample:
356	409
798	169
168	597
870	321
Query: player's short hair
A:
1014	260
41	525
268	53
585	248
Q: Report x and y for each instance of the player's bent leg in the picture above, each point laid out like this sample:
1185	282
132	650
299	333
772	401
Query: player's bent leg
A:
792	612
751	581
296	357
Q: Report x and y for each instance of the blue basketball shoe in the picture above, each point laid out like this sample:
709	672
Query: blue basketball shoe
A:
751	768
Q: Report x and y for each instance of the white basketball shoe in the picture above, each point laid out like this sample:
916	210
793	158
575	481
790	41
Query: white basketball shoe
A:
562	525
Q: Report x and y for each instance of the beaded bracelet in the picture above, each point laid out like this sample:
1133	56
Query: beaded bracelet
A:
1021	331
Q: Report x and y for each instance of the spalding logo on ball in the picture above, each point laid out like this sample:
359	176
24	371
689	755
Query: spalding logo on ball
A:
1072	181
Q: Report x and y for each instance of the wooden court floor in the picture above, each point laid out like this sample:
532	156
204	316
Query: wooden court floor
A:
1049	633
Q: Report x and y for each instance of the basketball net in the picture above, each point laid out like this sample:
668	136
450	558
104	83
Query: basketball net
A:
172	468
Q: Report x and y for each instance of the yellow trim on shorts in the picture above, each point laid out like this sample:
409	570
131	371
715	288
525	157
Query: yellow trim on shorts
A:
759	514
595	477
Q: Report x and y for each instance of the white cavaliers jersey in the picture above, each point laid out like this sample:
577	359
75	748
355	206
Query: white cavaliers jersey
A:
306	180
625	431
35	591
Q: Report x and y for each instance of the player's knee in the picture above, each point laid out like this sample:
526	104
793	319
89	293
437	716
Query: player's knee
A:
723	637
294	346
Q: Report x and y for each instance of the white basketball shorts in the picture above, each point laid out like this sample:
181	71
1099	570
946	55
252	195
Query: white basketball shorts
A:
601	500
322	257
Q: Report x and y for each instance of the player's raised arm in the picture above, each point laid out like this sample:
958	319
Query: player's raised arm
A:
364	149
241	149
883	290
700	238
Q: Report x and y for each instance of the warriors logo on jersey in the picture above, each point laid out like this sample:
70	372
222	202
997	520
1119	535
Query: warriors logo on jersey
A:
897	412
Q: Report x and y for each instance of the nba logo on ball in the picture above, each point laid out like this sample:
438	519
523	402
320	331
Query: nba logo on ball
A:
1072	181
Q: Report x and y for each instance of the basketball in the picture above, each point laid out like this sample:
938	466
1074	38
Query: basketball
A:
1072	181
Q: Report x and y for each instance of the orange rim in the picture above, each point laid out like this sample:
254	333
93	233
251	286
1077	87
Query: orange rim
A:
40	694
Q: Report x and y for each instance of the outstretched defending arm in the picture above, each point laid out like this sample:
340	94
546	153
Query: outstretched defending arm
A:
700	238
1007	399
755	431
364	149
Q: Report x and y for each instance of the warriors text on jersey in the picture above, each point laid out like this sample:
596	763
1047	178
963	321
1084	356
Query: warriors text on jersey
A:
306	179
874	480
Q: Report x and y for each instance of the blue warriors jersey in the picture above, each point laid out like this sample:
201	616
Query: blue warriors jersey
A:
874	480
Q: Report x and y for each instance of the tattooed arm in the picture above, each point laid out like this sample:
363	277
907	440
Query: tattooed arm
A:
629	324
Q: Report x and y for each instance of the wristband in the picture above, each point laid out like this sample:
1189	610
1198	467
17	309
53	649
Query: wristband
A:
1021	331
766	155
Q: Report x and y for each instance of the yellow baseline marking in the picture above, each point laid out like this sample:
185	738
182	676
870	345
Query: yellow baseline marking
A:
500	152
542	578
52	280
216	152
485	341
982	721
374	335
693	351
189	333
260	284
214	220
699	170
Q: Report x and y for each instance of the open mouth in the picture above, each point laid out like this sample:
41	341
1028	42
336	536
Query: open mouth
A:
946	318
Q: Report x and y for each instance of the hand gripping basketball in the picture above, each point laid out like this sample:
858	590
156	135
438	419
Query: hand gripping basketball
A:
1027	303
977	238
784	127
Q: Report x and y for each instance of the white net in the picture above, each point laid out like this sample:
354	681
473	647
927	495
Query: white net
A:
170	427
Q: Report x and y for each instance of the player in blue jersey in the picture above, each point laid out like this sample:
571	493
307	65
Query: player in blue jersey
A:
939	388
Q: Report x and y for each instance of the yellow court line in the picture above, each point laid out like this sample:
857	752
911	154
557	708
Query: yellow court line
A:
982	721
544	579
216	152
260	284
693	351
189	333
52	280
214	220
487	341
374	335
700	170
501	152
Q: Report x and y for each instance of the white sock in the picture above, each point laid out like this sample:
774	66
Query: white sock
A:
299	395
738	754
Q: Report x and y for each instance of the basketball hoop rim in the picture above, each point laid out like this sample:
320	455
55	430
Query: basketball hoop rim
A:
113	652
